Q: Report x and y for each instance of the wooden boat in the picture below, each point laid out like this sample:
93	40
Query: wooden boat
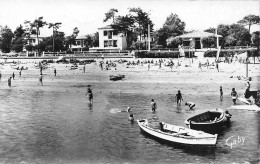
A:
74	67
116	77
178	134
212	121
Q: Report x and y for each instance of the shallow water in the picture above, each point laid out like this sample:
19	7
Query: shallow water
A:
59	126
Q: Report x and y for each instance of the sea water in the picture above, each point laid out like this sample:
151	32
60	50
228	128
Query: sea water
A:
60	126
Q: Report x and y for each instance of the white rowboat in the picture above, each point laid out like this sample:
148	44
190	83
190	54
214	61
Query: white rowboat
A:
178	134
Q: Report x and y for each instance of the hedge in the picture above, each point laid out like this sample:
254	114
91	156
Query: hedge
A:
158	54
229	53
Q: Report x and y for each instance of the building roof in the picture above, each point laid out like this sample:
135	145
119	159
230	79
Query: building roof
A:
198	34
81	37
106	27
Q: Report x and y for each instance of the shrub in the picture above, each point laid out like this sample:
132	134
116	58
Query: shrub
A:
156	54
229	53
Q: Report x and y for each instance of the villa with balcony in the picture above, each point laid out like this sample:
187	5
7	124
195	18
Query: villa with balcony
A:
110	39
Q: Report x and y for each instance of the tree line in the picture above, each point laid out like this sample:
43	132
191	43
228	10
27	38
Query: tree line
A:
17	41
134	26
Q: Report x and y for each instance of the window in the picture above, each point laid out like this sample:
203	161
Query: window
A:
109	34
78	42
186	43
105	33
105	43
114	43
110	43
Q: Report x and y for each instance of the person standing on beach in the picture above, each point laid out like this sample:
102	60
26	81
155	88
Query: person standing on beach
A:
13	75
90	94
148	66
234	95
55	72
40	79
178	98
9	81
0	76
200	66
217	66
153	105
84	68
221	93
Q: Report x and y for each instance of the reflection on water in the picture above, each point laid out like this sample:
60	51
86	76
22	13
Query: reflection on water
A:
50	126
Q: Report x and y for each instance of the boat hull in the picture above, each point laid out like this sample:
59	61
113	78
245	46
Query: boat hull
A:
177	139
205	121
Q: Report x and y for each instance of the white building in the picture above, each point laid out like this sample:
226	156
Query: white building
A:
110	39
194	39
32	40
80	43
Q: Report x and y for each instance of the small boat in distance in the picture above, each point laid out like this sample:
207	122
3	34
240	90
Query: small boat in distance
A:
178	134
212	121
116	77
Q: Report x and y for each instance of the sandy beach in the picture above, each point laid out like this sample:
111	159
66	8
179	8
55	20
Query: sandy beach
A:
209	79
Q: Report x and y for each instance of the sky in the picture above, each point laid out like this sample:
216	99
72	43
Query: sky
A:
88	15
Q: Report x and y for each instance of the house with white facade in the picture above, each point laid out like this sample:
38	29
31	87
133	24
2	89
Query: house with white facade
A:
80	43
110	39
32	40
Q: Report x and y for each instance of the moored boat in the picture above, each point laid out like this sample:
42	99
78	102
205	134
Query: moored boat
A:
178	134
116	77
212	121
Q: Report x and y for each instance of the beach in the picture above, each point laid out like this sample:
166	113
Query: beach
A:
186	74
54	123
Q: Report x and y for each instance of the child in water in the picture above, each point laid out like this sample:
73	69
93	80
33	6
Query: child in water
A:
131	118
190	104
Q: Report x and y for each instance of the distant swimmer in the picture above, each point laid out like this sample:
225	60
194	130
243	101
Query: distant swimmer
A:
131	118
190	104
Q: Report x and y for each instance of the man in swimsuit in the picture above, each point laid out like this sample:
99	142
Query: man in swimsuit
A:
55	71
40	79
221	93
234	95
153	105
178	98
90	95
9	81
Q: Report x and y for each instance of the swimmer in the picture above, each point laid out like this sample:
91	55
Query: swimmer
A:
128	110
131	118
190	104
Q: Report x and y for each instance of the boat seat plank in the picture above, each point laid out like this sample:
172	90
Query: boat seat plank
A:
180	130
